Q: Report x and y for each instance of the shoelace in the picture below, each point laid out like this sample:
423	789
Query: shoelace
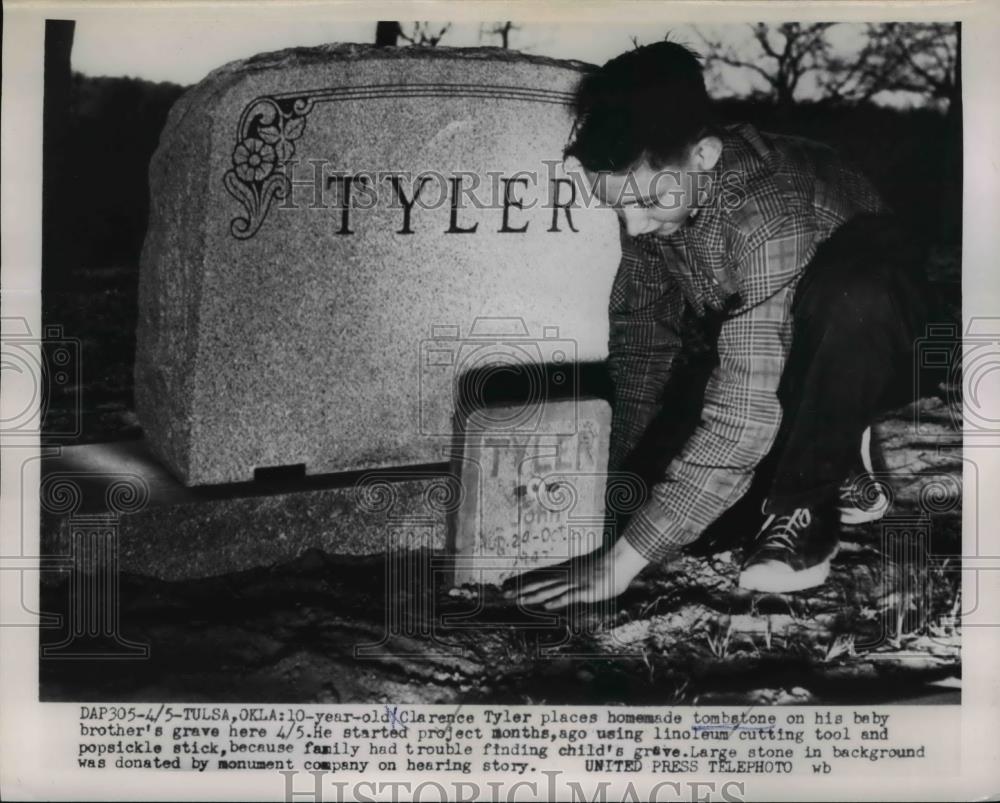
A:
781	531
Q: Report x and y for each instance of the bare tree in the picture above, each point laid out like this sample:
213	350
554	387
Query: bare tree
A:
58	255
782	55
918	57
501	29
389	32
423	35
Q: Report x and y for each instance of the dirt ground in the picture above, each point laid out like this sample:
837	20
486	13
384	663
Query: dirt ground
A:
328	628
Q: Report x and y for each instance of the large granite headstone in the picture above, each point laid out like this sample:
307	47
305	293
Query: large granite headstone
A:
338	234
531	496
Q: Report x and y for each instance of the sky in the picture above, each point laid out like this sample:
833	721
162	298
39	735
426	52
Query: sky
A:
186	50
161	45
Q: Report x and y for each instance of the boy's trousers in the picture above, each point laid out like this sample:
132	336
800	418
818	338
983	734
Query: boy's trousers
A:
859	307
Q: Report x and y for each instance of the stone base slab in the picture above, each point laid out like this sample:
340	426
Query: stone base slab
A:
162	529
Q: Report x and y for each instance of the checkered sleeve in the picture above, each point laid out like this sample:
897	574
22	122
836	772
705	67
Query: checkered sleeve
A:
769	247
739	423
644	337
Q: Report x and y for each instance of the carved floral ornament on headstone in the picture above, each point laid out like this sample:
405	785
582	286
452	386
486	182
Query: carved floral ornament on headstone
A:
268	128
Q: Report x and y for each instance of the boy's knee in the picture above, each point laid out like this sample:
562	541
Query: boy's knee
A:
861	296
855	290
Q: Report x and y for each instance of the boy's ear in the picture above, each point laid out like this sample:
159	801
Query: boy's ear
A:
706	152
572	165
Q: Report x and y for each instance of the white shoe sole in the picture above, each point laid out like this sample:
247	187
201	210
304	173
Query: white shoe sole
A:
855	515
866	450
778	578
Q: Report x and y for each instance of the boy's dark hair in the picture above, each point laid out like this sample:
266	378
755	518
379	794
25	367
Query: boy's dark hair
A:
649	103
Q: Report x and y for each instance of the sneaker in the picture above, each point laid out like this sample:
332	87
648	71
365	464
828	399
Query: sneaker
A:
862	497
792	552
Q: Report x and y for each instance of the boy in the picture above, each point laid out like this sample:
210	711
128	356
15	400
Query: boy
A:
817	304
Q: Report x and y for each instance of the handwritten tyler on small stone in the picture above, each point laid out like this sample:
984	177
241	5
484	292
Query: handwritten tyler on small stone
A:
552	474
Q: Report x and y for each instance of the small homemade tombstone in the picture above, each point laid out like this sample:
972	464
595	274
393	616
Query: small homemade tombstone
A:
533	487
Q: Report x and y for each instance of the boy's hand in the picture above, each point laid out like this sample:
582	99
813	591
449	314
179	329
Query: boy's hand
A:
601	575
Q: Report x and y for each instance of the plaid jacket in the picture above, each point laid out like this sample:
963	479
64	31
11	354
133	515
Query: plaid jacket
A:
767	205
